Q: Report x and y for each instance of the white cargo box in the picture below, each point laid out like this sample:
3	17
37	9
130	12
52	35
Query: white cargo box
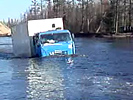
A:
22	34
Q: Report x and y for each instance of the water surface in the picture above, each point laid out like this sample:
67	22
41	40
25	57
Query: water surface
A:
101	71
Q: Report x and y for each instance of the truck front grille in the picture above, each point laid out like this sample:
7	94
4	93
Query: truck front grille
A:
59	52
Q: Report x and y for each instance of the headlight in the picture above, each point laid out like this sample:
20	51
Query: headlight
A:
51	53
70	46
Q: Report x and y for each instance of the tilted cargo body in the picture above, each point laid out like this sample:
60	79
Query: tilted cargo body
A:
22	34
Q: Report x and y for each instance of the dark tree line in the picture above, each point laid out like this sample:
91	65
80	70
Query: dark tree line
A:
83	15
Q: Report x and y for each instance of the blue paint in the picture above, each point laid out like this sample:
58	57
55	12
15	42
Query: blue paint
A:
55	42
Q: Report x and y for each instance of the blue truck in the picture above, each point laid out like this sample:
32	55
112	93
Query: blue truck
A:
42	37
54	42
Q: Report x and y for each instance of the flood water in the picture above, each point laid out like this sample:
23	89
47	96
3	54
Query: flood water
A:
102	70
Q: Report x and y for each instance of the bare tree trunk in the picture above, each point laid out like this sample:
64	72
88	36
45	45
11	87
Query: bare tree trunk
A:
98	28
41	8
124	12
101	11
82	22
117	17
130	20
89	22
87	19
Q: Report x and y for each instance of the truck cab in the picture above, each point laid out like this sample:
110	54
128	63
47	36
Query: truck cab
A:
55	42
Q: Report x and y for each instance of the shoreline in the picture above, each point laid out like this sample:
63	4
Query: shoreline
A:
104	35
96	35
119	35
5	35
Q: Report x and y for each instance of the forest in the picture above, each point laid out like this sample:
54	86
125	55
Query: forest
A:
84	16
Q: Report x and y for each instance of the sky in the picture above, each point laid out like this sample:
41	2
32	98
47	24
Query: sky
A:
13	8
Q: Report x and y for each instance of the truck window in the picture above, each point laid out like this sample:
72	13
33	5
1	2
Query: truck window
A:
60	37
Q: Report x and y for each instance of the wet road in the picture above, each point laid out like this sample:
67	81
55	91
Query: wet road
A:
103	70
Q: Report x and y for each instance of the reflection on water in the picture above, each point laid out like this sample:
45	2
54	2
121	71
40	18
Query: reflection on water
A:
45	81
101	71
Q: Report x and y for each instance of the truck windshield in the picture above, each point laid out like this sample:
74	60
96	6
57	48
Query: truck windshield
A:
54	38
